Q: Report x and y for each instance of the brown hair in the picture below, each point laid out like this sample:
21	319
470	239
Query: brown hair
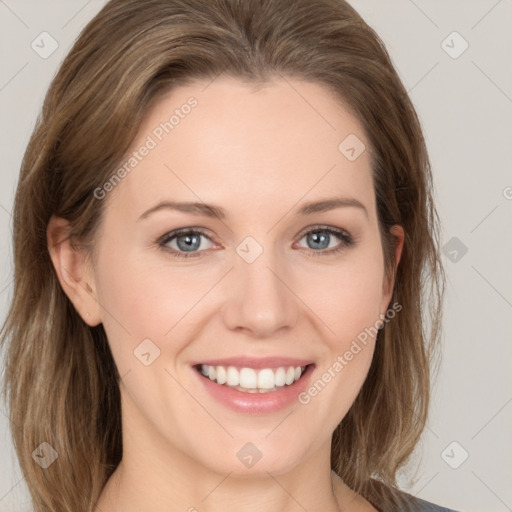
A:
61	380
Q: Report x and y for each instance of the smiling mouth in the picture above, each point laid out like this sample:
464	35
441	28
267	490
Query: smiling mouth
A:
250	380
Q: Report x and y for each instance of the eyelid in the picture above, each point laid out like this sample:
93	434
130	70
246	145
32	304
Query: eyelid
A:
324	227
182	231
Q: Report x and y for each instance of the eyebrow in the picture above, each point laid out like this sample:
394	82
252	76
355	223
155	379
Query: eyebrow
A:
209	210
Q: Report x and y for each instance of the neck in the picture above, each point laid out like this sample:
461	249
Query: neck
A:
185	486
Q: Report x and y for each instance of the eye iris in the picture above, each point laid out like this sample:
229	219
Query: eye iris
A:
319	238
191	242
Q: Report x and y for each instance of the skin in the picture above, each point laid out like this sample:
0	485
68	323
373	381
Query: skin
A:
260	154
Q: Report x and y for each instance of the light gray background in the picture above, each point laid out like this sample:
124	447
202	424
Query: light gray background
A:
465	107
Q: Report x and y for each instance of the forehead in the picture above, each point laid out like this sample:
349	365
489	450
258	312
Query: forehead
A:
231	143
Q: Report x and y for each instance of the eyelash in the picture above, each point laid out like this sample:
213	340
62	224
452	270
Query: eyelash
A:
346	241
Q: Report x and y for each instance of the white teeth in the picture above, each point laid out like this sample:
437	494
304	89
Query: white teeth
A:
280	378
233	377
290	375
251	380
266	379
248	378
221	375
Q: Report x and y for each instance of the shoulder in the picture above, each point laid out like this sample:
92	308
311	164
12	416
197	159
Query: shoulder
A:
419	505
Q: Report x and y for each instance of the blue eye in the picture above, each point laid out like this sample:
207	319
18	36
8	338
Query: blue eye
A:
187	242
322	238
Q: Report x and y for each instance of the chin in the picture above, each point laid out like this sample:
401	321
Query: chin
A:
256	458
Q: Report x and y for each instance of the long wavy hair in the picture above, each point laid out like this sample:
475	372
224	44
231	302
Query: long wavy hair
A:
61	382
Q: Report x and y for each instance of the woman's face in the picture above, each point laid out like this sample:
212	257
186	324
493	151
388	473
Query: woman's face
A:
284	269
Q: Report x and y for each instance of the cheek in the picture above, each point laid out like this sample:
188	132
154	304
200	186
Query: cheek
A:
144	312
347	299
349	304
156	300
141	301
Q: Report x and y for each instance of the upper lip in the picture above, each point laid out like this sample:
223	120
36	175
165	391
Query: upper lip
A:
256	363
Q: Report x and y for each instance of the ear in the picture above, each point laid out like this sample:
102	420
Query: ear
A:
75	274
398	236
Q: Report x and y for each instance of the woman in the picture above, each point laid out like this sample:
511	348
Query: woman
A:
222	227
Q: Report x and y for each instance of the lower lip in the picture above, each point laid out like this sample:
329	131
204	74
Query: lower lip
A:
256	403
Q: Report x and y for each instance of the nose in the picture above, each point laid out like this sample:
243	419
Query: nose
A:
260	302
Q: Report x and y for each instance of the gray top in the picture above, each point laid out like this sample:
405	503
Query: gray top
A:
426	506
